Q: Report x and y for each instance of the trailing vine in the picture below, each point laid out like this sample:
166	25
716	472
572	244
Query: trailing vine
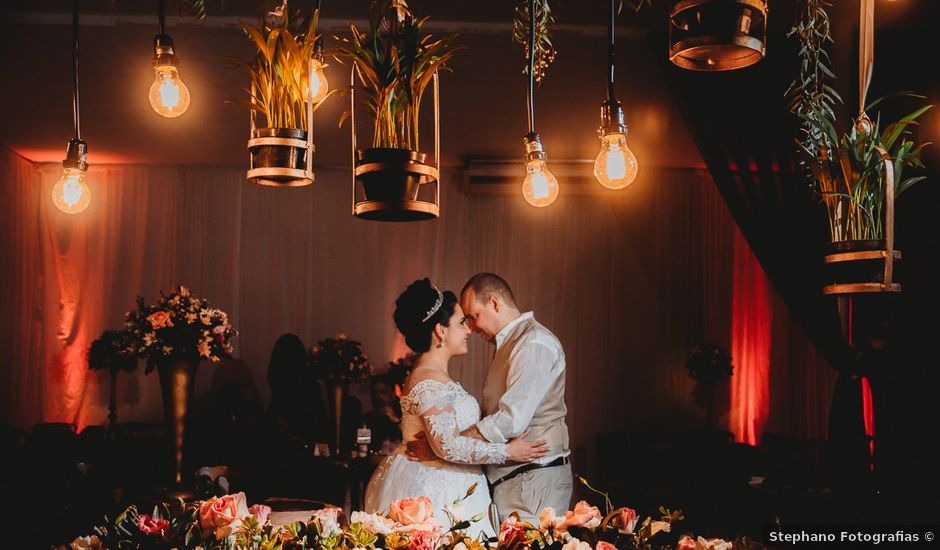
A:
813	99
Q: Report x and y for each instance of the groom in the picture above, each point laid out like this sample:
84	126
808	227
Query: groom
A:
524	391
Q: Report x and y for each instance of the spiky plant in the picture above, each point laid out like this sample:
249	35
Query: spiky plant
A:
395	62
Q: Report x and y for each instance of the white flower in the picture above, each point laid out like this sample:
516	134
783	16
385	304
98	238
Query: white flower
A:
327	521
373	522
657	526
714	544
575	544
149	338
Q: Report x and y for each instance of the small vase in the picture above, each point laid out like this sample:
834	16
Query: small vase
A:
177	379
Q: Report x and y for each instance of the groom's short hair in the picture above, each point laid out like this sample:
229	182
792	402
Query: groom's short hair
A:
485	285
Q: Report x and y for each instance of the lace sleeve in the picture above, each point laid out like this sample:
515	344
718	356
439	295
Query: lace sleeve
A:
436	408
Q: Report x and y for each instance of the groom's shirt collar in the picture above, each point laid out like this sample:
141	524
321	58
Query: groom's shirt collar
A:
504	332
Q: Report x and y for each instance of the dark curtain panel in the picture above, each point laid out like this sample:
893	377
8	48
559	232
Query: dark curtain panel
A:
741	125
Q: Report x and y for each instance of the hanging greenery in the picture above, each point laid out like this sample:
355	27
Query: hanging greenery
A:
813	99
847	170
544	21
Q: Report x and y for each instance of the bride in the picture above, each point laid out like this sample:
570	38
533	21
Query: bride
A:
435	327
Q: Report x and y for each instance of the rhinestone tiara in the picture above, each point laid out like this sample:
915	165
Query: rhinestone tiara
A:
435	307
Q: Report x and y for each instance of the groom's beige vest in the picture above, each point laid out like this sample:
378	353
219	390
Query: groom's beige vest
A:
548	422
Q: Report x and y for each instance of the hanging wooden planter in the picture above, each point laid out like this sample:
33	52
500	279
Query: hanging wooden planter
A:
396	185
281	157
866	266
717	35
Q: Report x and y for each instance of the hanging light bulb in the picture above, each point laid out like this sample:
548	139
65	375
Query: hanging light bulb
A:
169	96
615	166
540	186
319	85
71	194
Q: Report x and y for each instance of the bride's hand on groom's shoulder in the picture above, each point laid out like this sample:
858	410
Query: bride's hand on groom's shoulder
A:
520	450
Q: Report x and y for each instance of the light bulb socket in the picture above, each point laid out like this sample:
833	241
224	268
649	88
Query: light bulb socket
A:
533	147
611	119
163	53
76	154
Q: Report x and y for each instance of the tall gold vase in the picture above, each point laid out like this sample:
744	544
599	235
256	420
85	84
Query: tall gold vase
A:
177	379
338	396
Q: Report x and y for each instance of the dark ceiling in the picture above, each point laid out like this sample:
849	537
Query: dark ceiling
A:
483	105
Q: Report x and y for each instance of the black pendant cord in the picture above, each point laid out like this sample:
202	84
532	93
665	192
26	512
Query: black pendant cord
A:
531	102
318	46
76	110
610	52
161	12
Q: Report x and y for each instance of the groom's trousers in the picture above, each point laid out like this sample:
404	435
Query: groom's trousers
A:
529	492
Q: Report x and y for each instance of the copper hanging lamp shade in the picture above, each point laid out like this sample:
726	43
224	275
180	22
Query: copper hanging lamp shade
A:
717	35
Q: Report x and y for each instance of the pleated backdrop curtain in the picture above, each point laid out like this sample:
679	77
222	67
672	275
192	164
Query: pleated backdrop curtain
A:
629	282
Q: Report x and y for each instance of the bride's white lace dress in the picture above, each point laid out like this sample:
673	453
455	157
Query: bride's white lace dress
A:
441	411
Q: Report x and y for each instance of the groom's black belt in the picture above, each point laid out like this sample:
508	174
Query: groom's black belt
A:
560	461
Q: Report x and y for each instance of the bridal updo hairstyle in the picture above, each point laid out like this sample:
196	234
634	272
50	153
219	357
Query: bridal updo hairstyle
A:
413	305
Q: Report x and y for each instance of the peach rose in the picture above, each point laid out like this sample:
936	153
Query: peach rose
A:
548	519
422	540
160	319
628	519
685	543
583	515
223	514
412	511
261	512
86	543
149	525
603	545
512	533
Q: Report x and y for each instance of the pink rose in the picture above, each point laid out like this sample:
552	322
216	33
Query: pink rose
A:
628	519
512	533
601	545
422	540
412	511
685	543
148	525
583	515
223	514
261	512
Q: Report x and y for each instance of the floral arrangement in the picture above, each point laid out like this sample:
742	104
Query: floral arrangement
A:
110	352
709	363
179	326
228	523
339	360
